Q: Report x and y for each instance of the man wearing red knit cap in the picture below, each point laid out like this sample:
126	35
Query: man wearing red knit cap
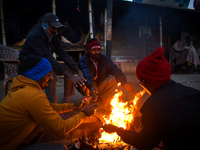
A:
170	115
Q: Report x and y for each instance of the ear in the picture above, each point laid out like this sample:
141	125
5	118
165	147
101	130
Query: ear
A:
45	25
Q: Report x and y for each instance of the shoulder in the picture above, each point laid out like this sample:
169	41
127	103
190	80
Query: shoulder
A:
84	58
38	32
36	96
105	58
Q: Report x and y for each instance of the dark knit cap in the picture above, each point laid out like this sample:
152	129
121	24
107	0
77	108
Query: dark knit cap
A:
92	42
154	70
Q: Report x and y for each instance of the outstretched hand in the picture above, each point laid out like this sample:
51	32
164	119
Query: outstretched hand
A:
77	80
81	101
89	110
93	92
110	128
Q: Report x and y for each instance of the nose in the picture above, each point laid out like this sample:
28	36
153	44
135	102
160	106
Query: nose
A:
97	51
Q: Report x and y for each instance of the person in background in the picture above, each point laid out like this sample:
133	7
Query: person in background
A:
44	41
102	75
170	115
25	112
69	37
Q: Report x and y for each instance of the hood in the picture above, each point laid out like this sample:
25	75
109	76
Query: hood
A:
21	81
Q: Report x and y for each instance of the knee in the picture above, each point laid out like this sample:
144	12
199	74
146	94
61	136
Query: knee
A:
112	80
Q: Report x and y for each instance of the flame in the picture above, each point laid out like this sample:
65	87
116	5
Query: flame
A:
122	115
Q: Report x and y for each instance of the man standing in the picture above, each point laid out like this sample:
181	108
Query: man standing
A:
44	41
25	111
171	113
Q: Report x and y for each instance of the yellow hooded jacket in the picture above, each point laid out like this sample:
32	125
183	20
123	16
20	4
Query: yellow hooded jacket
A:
26	105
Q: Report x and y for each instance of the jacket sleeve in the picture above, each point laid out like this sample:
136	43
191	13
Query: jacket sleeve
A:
43	114
62	108
84	65
150	134
39	45
114	70
63	55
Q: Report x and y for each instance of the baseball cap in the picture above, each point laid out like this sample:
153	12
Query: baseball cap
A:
52	19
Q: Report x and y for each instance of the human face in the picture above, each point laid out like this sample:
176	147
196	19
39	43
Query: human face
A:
44	81
52	30
95	52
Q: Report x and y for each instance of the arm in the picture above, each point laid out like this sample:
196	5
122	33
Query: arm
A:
147	138
49	119
62	108
119	75
150	134
84	65
40	46
115	71
63	55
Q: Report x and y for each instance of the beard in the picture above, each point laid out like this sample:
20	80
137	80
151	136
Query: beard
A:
95	57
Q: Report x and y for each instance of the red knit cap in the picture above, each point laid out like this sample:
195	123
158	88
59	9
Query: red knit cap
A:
93	43
154	70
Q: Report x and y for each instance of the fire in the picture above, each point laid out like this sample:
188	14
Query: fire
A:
122	115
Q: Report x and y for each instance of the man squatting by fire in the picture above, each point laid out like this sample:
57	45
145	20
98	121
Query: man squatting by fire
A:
171	113
102	75
25	112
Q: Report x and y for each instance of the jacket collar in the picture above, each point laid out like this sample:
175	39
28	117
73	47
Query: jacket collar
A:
22	81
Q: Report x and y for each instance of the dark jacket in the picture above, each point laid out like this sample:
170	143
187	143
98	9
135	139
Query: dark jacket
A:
37	44
171	115
105	67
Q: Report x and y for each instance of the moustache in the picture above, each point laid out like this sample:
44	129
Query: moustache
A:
96	55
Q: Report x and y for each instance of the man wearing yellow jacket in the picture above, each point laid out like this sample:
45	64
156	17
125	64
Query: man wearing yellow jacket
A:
26	107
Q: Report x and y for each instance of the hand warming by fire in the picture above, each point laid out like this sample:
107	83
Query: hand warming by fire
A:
121	116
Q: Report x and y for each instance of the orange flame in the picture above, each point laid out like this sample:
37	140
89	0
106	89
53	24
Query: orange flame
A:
122	115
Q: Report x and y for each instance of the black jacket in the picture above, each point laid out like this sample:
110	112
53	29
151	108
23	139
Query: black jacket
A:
105	67
37	44
171	115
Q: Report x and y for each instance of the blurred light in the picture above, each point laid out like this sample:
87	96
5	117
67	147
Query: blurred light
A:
190	6
128	0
